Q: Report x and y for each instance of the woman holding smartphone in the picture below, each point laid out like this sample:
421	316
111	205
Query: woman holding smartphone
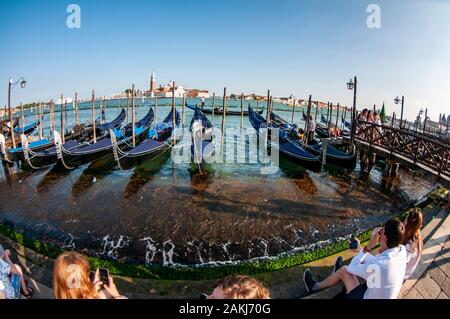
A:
72	279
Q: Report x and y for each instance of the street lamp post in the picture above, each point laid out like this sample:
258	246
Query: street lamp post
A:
397	100
353	85
10	86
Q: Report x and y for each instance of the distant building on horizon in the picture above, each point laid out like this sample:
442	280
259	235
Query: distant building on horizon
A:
197	93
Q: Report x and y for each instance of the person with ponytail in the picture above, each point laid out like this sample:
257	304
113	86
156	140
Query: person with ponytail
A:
412	240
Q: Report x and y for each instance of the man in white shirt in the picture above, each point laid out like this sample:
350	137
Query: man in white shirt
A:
383	273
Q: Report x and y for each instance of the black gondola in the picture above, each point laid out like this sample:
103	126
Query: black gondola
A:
287	146
45	148
75	148
219	111
333	155
160	140
86	152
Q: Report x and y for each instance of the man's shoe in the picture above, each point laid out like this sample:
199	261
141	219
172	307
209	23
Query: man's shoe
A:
338	264
309	281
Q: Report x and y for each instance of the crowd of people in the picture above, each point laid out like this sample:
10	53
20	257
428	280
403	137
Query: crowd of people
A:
368	276
368	116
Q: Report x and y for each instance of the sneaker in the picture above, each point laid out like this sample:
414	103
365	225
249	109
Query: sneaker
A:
338	264
309	281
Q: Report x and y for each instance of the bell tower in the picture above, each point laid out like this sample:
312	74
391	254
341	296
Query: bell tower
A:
152	82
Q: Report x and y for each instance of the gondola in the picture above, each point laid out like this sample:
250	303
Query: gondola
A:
218	111
72	157
50	155
333	155
36	149
28	129
159	141
202	137
287	146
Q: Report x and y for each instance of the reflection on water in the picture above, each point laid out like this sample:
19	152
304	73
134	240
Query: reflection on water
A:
165	213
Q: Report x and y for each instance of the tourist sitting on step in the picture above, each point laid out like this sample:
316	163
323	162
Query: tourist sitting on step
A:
383	273
238	287
12	281
73	279
412	240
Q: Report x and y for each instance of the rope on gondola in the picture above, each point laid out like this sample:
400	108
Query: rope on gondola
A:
25	151
3	149
59	151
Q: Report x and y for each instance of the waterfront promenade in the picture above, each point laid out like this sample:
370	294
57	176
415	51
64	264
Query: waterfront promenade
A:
431	279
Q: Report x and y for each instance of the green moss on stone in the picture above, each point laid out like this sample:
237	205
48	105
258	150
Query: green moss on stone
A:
202	272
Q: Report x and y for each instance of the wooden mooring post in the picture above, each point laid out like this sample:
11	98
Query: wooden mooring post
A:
269	105
174	114
128	106
52	117
344	118
317	112
93	116
213	106
133	117
183	107
66	123
41	119
337	116
156	107
76	109
308	122
22	118
242	110
62	118
224	114
293	112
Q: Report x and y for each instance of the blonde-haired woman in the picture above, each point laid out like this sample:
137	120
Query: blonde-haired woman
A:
239	287
72	280
412	240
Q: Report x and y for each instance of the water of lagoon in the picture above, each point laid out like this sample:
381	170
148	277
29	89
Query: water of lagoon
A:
160	212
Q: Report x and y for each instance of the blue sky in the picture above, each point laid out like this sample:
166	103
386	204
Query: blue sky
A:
289	46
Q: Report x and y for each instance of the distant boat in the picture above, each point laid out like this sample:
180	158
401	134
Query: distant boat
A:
67	100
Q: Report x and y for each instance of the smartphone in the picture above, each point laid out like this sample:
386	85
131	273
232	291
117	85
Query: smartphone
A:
353	243
203	296
104	276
